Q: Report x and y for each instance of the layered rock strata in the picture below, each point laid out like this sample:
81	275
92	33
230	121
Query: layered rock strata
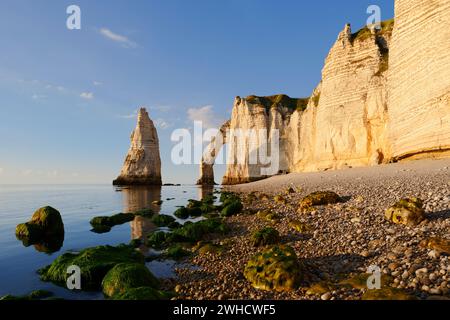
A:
384	97
142	164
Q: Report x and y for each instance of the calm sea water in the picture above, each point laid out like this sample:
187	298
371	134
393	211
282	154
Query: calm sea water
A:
77	205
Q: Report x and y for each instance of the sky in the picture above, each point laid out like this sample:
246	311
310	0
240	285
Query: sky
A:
68	98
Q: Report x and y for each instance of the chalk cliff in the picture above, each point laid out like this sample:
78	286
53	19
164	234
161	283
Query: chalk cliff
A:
142	164
384	97
419	80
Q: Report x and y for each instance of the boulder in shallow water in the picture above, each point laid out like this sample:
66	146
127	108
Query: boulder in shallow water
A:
94	264
45	229
275	269
408	212
125	276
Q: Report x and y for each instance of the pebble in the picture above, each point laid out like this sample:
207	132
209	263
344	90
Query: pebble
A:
326	296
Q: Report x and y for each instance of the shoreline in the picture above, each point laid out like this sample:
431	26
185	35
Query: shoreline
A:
343	240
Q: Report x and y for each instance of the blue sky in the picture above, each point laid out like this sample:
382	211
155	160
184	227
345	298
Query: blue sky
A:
67	97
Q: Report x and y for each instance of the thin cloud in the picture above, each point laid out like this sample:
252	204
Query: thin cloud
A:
163	124
97	83
38	96
1	171
204	114
129	116
87	95
161	108
123	40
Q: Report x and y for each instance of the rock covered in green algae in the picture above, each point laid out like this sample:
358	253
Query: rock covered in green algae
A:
34	295
190	232
125	276
193	232
387	293
299	226
279	199
204	248
94	264
232	208
45	230
265	236
45	222
320	198
163	220
143	293
181	213
268	216
146	213
276	269
157	239
408	212
176	252
104	224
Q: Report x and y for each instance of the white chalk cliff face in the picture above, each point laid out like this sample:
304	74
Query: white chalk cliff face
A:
384	96
142	165
419	80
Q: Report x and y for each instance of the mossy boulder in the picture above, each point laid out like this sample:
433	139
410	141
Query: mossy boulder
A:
387	293
299	226
195	212
157	239
45	230
320	198
146	213
94	264
125	276
193	203
34	295
49	220
181	213
275	269
268	216
45	222
408	212
194	232
163	220
265	236
143	293
232	208
177	252
205	248
279	199
104	224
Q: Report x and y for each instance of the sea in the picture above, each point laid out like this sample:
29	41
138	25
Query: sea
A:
78	204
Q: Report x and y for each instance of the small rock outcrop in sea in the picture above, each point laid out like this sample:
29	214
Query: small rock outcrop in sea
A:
142	165
45	230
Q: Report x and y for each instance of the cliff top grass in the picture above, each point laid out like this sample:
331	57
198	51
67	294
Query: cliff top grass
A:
365	33
280	99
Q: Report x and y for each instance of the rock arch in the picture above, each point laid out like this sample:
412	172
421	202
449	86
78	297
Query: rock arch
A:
209	156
